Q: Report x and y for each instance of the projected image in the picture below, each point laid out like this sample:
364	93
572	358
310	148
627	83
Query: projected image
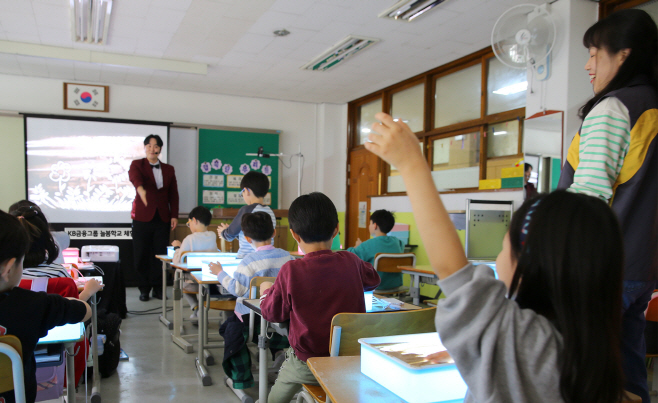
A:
78	170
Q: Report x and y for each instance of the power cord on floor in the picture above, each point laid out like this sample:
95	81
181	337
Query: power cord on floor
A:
149	311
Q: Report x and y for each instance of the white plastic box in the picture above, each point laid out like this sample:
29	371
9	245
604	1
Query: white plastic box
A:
170	252
100	253
429	383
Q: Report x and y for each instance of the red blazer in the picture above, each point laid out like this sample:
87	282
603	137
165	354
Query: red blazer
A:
165	200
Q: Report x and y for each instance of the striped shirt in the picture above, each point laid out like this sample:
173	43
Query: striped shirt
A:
264	262
235	229
604	140
44	270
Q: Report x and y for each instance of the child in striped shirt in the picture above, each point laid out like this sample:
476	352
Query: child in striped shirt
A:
254	187
266	261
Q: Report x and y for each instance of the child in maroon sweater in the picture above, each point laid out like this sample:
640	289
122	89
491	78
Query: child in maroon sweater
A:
310	291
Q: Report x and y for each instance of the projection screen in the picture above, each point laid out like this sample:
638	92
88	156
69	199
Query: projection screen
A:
77	170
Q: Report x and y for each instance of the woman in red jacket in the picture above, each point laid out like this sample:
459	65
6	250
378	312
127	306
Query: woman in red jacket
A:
154	214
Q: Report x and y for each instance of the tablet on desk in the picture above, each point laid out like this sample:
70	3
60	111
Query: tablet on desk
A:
228	267
64	334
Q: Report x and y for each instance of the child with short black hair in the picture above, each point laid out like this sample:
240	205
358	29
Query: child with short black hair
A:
310	291
381	223
266	261
200	240
26	314
254	187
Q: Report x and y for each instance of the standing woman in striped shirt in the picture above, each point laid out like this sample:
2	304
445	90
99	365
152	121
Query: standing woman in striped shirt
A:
614	157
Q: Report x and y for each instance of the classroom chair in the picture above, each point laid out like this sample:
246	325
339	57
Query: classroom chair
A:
11	367
388	263
348	328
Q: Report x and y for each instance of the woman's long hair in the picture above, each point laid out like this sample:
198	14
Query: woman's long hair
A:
570	270
626	29
42	245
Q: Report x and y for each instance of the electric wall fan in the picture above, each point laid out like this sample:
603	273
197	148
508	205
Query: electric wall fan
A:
524	37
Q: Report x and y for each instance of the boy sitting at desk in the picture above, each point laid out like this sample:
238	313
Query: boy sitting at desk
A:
381	223
310	291
254	186
200	240
266	261
26	314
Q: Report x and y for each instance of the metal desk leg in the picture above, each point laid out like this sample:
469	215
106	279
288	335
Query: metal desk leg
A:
96	388
163	315
200	367
70	372
415	289
263	344
178	314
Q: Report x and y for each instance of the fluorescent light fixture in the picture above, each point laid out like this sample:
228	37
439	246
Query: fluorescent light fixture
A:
512	89
338	53
500	132
408	10
90	20
365	130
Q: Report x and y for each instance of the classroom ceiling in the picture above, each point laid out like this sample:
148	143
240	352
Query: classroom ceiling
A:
234	38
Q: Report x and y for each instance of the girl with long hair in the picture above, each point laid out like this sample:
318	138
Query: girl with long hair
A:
549	330
614	157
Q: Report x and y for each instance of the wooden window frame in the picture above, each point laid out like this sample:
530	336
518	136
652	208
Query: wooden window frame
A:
430	133
607	7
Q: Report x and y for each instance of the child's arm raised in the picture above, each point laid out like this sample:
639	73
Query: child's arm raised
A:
398	145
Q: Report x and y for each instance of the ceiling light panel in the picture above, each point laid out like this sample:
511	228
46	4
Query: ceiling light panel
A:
339	53
408	10
90	20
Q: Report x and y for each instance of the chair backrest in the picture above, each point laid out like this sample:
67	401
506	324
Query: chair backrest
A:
651	314
64	286
348	328
11	367
389	262
256	282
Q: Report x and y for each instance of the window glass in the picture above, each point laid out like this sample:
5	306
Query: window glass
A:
367	118
409	106
503	139
506	87
456	161
395	183
457	96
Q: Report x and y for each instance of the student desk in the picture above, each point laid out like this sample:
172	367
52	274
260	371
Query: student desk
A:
204	280
282	328
416	273
177	335
342	380
166	264
67	335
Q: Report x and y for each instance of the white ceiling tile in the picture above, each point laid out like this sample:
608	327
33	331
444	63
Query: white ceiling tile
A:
18	23
133	8
139	77
126	26
154	41
32	37
120	44
292	6
251	43
55	37
33	66
172	4
87	72
9	64
14	6
163	20
272	21
62	69
57	17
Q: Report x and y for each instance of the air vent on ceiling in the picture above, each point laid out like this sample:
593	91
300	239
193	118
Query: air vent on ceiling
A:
338	53
408	10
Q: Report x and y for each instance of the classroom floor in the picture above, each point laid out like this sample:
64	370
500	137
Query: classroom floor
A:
158	370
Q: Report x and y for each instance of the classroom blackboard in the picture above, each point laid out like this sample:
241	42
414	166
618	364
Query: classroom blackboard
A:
222	163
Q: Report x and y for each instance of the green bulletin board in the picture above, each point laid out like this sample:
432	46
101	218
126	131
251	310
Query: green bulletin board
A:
222	163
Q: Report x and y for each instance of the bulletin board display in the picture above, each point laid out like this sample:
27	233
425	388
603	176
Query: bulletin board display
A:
223	162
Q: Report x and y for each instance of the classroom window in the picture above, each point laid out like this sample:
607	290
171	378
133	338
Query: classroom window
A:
409	106
503	139
367	118
506	87
457	96
456	161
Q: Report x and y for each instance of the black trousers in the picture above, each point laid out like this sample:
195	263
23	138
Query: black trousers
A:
150	239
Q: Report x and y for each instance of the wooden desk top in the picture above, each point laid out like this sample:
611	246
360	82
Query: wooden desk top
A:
405	306
164	258
343	381
203	278
423	269
183	266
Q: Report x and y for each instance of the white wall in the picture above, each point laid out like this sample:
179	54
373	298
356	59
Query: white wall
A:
12	163
321	129
568	87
